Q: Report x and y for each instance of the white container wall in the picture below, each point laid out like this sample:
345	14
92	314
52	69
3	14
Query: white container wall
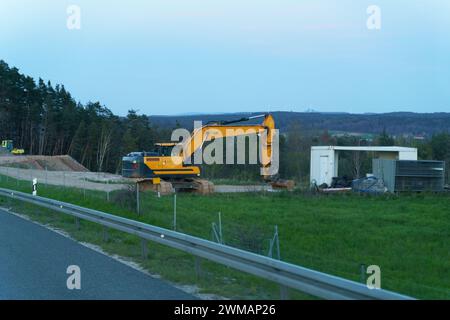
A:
325	159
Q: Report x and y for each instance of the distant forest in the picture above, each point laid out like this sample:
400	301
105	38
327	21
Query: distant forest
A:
44	119
397	123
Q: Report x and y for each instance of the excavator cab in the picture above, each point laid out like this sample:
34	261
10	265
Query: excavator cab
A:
133	165
156	163
7	145
164	149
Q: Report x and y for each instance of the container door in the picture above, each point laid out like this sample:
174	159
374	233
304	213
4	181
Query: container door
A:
324	174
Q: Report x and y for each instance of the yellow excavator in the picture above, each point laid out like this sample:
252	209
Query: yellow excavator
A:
163	171
8	146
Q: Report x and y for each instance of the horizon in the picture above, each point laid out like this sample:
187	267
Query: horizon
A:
286	111
232	57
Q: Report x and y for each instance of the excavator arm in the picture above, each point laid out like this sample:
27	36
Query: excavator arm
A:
224	129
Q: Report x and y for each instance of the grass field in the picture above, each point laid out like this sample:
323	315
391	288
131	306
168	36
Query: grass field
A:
408	236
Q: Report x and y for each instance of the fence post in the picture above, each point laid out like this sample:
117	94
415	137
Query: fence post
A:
175	211
278	243
84	188
107	190
362	273
220	228
138	205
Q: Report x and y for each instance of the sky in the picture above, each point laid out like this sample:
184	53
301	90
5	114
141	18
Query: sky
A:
169	57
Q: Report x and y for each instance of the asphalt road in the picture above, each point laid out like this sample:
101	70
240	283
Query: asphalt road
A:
34	261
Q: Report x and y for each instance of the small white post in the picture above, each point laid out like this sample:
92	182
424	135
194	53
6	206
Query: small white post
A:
34	187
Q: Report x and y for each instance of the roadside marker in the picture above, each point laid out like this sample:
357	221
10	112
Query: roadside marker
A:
34	187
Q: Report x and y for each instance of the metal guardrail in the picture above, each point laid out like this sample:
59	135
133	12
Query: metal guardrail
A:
305	280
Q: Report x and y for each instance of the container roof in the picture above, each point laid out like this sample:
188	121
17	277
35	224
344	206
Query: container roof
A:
366	148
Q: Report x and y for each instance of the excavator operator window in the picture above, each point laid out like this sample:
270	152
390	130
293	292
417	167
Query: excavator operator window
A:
164	151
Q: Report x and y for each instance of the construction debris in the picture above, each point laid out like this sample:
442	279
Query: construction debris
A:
369	184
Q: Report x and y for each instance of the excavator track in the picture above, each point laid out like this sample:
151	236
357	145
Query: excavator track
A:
203	186
283	184
195	185
164	187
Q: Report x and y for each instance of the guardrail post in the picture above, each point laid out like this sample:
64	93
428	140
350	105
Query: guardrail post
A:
284	293
144	249
105	234
77	223
198	267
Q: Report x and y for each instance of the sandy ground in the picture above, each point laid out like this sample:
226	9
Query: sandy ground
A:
50	163
83	180
100	181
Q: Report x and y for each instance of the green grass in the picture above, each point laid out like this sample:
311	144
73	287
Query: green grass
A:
407	236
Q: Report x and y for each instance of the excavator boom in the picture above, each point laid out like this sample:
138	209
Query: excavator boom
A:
224	129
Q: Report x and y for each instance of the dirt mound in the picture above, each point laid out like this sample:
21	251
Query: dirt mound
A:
50	163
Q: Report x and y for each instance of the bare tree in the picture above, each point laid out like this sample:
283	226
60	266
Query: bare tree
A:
104	145
356	161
